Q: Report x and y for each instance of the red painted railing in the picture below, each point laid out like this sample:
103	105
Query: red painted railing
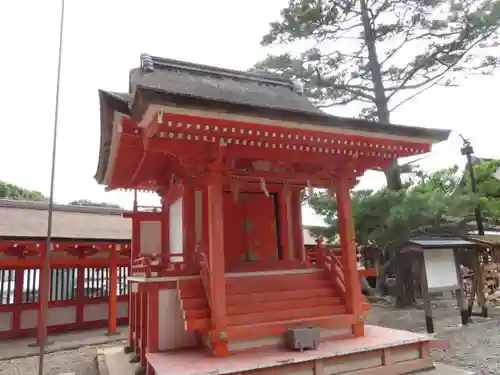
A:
326	259
147	265
80	289
204	271
156	265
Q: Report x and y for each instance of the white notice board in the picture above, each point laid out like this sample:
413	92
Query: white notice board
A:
440	269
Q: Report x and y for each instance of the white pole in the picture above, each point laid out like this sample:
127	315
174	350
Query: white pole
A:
48	247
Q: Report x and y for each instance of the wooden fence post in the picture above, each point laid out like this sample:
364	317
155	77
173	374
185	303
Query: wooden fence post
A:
113	292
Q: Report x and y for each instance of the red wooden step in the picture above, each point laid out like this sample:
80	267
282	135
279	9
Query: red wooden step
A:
254	331
284	315
196	313
280	296
192	290
276	282
197	324
248	308
277	287
193	303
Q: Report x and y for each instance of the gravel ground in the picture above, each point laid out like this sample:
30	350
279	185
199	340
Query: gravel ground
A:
79	362
474	347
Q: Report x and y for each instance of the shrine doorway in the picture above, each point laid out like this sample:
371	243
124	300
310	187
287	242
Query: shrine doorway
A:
251	232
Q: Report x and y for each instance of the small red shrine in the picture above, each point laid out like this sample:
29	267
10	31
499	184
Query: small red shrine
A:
219	272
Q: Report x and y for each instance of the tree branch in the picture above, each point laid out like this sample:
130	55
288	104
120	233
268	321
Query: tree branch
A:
403	86
354	89
414	95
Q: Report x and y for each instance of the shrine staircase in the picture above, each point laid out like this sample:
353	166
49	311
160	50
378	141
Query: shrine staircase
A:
263	306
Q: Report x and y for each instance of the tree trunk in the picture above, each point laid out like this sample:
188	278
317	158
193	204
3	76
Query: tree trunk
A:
382	270
404	280
365	285
392	174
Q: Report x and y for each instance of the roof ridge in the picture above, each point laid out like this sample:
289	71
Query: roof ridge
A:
149	63
42	205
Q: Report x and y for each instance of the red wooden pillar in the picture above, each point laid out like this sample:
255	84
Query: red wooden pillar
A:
348	245
216	263
113	290
188	226
131	318
18	300
80	294
285	228
133	302
153	324
43	294
137	316
165	229
144	328
297	227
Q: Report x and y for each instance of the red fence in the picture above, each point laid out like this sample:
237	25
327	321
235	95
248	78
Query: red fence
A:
88	285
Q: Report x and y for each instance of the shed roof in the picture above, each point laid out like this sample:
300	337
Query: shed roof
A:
29	220
487	239
441	242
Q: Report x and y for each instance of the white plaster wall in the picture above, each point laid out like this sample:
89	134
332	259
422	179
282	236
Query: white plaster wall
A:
172	333
150	237
61	315
29	319
5	321
176	234
95	312
56	316
122	309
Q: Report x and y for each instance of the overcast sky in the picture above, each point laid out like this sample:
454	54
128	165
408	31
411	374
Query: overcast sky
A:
103	40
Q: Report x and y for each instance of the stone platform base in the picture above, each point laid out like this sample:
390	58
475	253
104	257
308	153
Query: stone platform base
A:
382	351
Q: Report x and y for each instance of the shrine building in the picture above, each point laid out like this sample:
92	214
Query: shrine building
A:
220	278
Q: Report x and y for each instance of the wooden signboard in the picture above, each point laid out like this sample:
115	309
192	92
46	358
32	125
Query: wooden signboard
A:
440	270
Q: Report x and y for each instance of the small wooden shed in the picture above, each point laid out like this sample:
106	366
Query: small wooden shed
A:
436	264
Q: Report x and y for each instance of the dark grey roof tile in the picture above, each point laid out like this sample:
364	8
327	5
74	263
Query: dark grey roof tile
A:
229	89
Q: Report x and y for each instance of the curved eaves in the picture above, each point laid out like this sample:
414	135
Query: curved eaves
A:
109	102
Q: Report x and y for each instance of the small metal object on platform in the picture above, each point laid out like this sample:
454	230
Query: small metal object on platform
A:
300	338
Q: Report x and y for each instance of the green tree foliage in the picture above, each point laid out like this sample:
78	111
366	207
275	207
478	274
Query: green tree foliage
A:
86	202
439	203
488	188
10	191
384	217
379	54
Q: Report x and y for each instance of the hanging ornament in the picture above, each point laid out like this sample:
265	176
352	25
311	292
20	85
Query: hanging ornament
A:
310	190
264	187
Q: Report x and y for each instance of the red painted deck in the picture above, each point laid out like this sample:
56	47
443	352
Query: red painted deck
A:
195	362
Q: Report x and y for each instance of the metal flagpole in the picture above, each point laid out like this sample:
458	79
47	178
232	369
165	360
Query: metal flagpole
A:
48	247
